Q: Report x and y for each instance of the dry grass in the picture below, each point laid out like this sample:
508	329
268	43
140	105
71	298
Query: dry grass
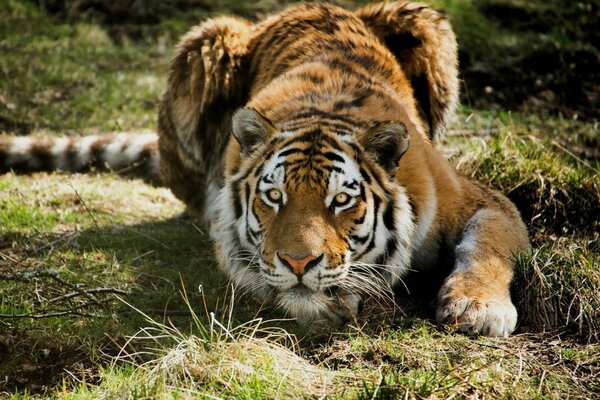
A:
558	287
254	359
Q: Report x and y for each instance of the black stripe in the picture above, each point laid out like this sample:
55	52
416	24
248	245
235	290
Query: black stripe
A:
333	157
259	169
363	194
388	216
293	150
347	68
313	137
315	112
360	239
372	174
248	235
355	102
255	235
309	136
390	247
237	204
376	201
350	185
332	168
333	276
345	128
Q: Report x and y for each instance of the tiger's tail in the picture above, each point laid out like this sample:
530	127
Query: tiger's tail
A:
126	154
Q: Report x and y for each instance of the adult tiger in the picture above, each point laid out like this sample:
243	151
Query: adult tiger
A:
329	186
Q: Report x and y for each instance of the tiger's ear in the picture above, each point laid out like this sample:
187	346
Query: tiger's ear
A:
387	142
250	129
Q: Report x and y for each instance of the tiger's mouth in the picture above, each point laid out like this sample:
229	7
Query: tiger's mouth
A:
307	305
301	290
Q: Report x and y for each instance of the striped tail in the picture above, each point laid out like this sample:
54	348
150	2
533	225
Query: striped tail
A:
126	154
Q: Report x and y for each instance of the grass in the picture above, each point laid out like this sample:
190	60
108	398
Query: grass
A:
120	284
73	77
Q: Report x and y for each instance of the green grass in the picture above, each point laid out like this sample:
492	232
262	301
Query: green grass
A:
532	162
122	284
74	77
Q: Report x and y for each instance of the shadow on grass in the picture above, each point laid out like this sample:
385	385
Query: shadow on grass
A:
150	265
157	268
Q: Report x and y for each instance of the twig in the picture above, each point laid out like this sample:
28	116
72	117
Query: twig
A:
54	314
86	207
9	258
28	276
473	132
49	315
75	288
90	291
582	161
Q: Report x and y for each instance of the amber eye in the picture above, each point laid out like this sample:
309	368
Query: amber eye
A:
274	195
341	199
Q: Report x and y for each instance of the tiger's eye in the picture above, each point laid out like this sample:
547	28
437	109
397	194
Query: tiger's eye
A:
341	199
274	195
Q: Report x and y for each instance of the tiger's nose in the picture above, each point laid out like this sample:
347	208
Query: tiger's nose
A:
300	265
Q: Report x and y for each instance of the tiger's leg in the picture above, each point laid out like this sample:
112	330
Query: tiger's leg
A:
476	295
208	81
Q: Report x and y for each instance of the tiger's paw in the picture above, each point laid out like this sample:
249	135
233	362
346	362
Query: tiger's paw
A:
467	306
344	309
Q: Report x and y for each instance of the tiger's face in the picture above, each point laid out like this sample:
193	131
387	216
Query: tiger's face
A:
311	219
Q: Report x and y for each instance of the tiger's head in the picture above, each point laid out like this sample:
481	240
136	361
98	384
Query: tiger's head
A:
310	216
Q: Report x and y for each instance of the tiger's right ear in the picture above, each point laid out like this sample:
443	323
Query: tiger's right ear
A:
250	129
386	143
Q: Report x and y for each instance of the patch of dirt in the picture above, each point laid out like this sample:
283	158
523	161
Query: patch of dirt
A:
26	363
557	209
549	80
558	73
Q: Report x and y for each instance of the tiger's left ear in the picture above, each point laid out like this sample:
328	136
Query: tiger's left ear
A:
387	142
250	129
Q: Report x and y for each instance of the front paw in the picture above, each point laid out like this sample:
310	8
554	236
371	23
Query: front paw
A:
344	308
474	307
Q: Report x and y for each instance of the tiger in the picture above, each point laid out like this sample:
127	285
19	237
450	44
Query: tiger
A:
308	143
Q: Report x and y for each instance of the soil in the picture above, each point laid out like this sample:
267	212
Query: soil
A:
546	76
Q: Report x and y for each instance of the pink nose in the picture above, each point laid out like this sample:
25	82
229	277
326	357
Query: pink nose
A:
300	265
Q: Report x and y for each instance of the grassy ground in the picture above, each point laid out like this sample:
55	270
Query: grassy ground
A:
107	290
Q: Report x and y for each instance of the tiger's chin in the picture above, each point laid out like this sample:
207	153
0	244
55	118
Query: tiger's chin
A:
309	306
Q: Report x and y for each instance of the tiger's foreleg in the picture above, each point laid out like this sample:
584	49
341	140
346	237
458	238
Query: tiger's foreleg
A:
476	295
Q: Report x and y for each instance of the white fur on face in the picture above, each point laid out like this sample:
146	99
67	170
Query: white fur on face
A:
310	300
